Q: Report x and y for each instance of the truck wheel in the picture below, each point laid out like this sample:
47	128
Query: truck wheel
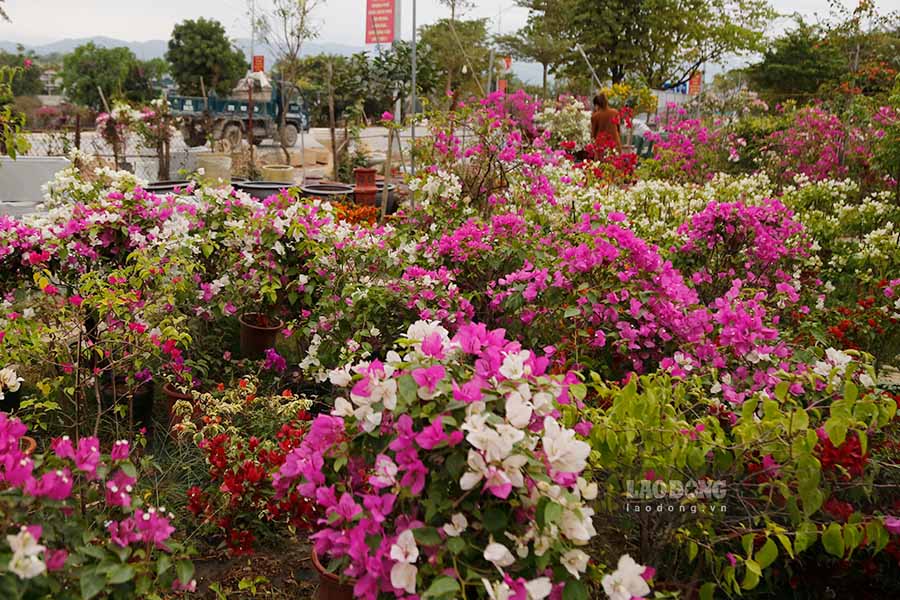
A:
289	135
233	135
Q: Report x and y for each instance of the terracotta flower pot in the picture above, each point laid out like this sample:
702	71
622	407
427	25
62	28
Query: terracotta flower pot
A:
258	334
331	586
172	396
29	445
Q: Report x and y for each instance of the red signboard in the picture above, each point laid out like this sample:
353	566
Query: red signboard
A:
259	64
501	85
695	84
380	21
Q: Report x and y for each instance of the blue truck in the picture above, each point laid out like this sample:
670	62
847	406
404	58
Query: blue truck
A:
225	118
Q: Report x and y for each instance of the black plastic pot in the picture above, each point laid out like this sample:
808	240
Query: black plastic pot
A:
11	401
168	186
262	189
142	401
327	191
392	196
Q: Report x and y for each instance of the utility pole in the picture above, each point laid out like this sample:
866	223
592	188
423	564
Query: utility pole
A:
412	156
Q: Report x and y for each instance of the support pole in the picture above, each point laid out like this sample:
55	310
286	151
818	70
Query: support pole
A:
412	157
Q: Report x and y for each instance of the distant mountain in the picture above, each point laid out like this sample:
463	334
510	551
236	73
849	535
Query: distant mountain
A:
530	73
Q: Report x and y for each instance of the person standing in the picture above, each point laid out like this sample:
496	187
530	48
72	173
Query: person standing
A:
605	125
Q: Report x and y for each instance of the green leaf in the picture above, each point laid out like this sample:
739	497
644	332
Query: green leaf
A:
766	555
575	590
185	570
163	564
836	428
806	536
441	587
553	513
707	590
571	312
781	390
129	469
578	390
92	584
427	536
692	551
121	573
833	541
851	392
751	577
786	543
456	545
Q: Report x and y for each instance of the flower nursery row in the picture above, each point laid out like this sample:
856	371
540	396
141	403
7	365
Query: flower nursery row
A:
531	382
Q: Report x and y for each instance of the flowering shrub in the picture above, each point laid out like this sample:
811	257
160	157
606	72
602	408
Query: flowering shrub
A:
77	525
691	459
244	439
450	455
819	145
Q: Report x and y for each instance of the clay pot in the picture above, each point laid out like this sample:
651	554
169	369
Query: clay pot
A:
28	444
172	396
330	585
216	167
281	173
258	334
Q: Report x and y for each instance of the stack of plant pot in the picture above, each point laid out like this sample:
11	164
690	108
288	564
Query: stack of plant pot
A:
365	186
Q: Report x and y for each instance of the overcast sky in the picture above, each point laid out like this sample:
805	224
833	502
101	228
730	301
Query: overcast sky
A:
341	21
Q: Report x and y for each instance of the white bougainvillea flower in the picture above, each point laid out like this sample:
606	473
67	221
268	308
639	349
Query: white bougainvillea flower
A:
575	561
458	523
403	577
405	549
25	566
498	554
564	453
9	380
514	367
539	588
627	581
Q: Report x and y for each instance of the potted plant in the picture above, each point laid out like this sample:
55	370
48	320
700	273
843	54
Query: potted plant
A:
442	472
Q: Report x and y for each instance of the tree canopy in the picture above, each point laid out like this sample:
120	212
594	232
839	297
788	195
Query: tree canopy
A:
114	70
200	49
460	53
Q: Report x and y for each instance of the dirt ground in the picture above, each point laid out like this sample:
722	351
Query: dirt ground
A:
282	573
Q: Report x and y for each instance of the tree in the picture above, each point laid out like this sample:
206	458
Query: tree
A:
3	14
658	40
535	43
797	64
285	27
199	49
90	67
460	52
350	82
27	81
390	76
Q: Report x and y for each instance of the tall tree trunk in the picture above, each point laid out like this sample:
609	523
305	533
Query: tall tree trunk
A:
545	80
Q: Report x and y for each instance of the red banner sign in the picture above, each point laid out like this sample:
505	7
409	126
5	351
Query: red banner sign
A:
696	83
259	64
380	21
